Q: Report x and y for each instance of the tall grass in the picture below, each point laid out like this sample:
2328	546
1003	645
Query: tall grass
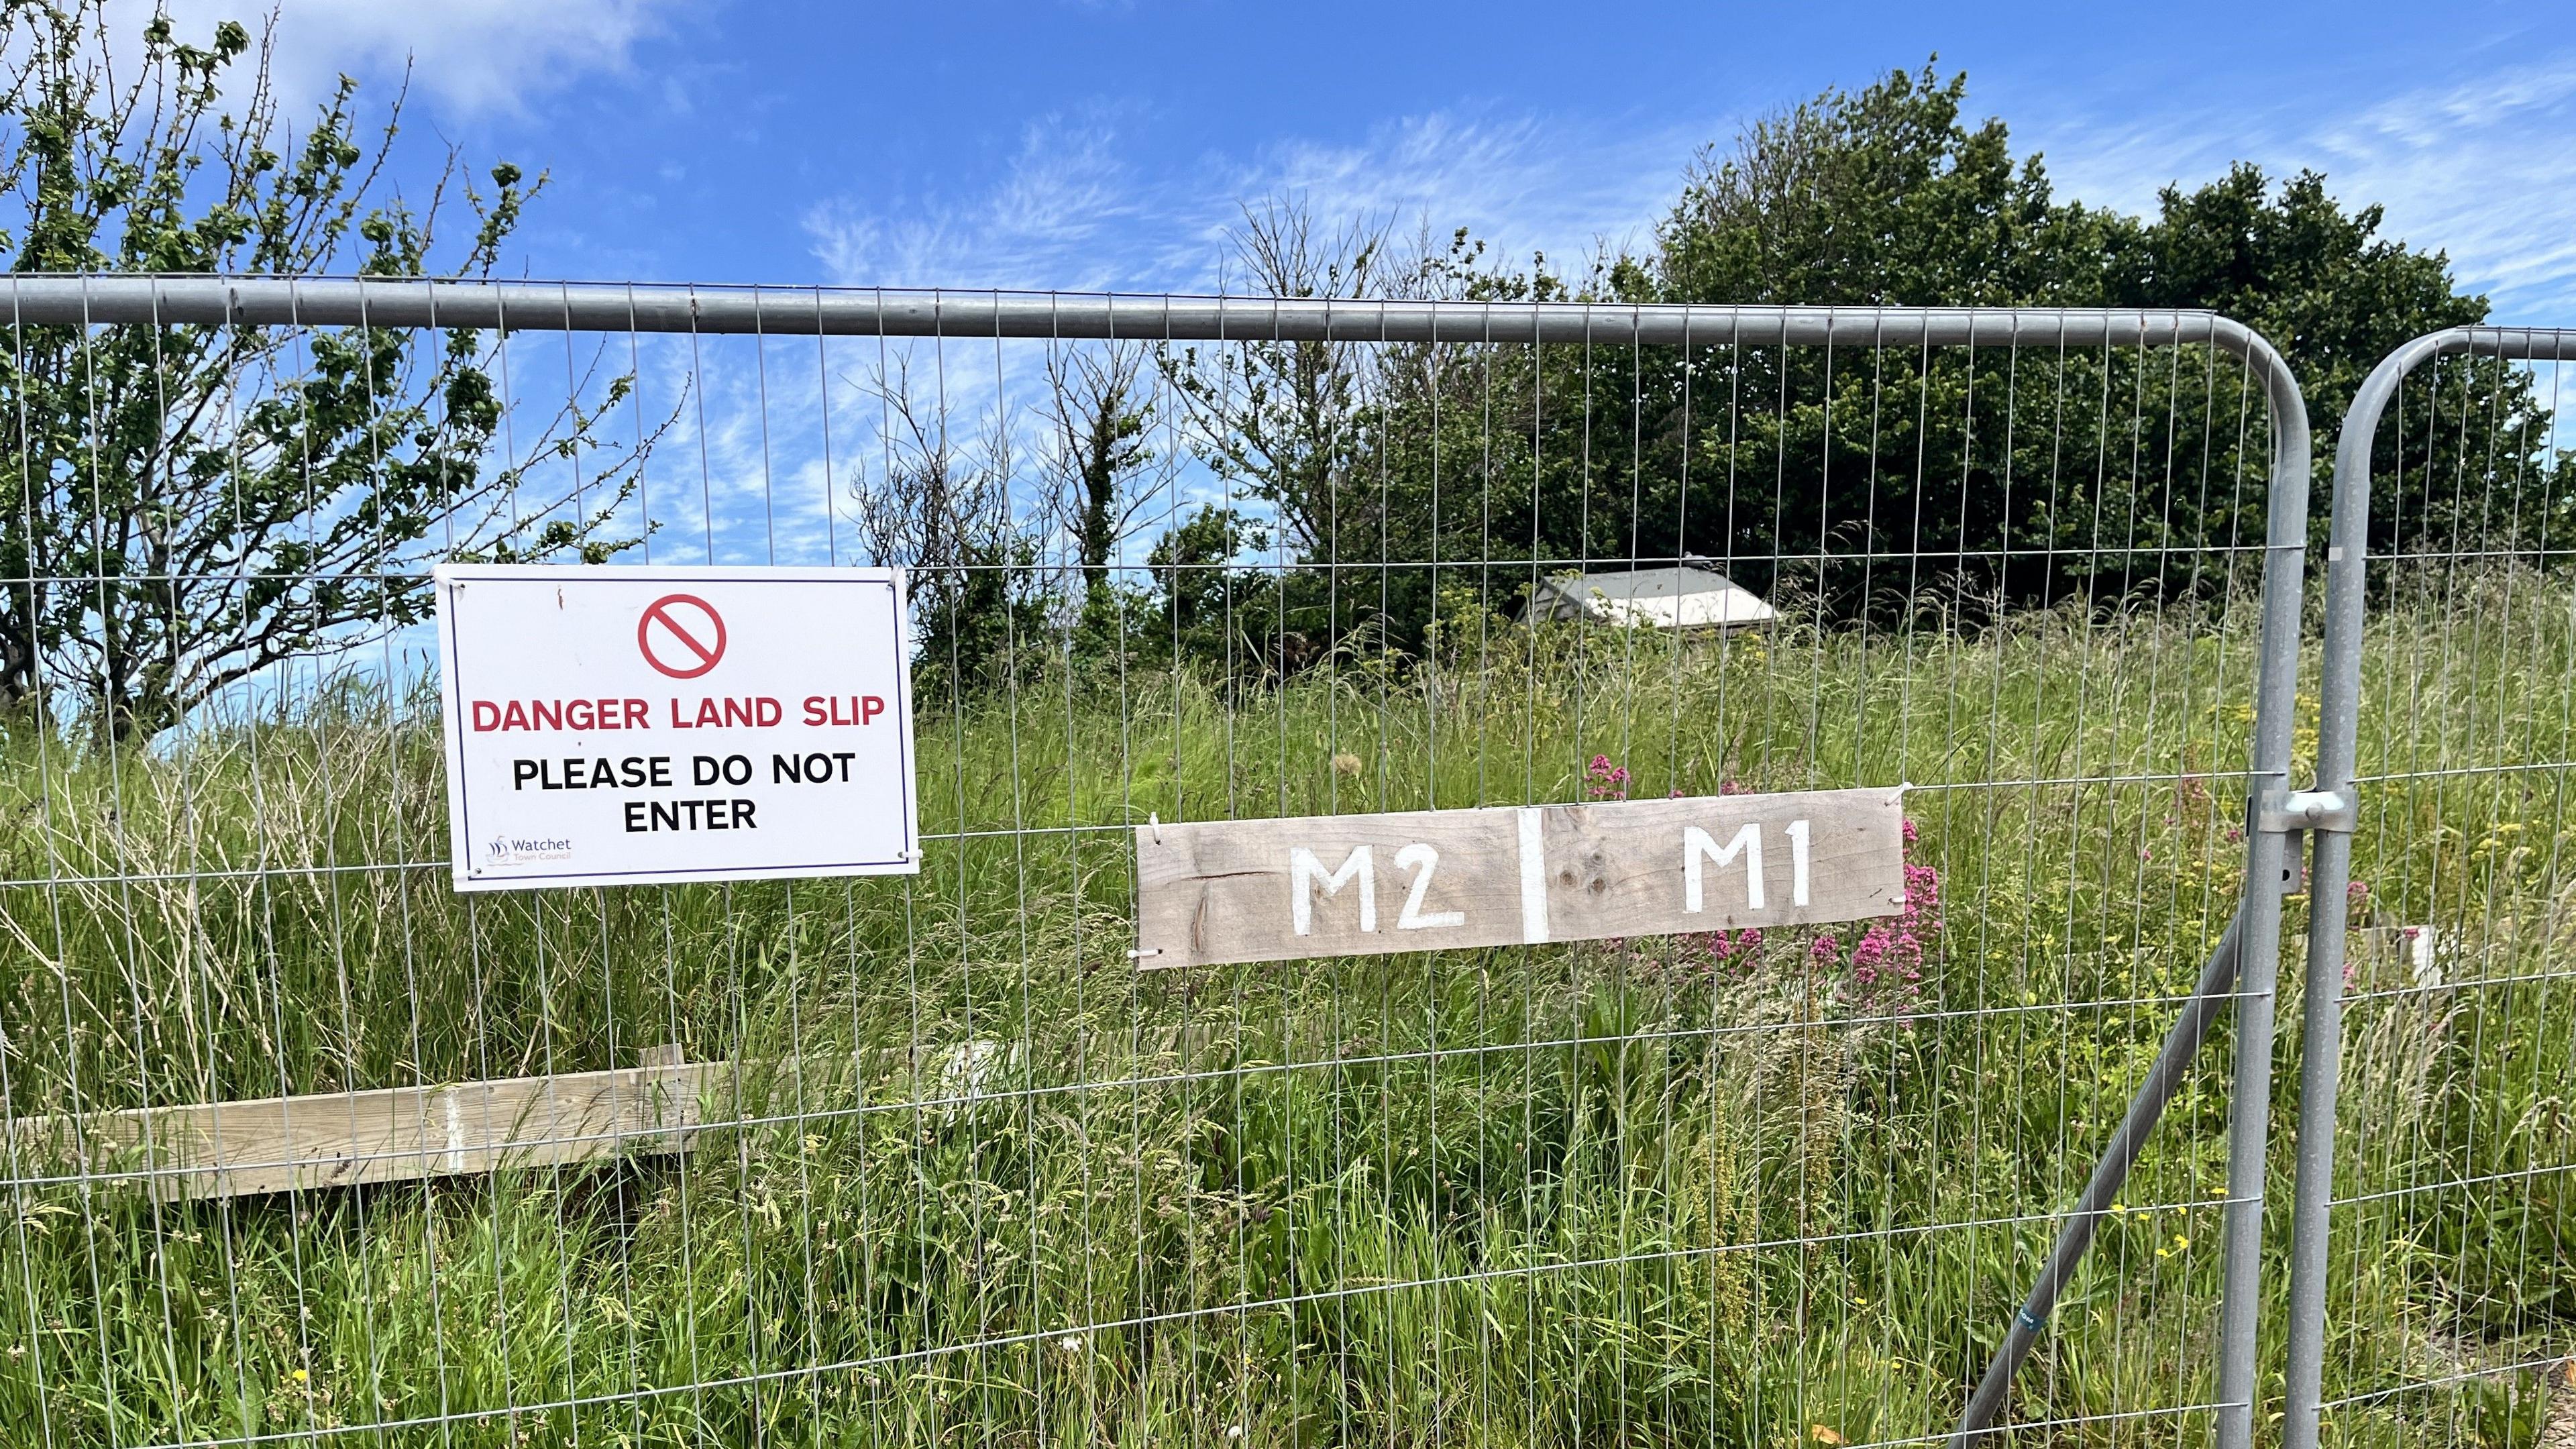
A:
1017	1191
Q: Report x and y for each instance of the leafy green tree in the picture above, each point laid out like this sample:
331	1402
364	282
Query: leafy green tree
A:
2464	461
1886	196
1213	608
1880	197
188	506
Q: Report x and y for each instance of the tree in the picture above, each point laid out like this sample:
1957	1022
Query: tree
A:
2287	260
942	510
1345	446
1214	610
1100	411
1288	420
1886	196
1876	197
191	505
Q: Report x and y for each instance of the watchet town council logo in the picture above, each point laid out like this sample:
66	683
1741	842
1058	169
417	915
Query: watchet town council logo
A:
510	850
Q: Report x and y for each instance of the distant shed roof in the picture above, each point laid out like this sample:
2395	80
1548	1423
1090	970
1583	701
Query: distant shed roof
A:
1665	598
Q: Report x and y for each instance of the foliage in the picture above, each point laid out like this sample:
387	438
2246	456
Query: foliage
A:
1887	197
1860	481
196	504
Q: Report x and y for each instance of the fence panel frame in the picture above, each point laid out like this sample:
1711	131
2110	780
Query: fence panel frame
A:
2242	970
2338	728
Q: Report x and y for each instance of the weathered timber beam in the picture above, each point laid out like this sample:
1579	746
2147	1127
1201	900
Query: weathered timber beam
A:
395	1134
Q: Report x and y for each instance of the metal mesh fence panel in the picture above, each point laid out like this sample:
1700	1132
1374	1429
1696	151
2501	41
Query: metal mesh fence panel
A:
2433	1288
932	1159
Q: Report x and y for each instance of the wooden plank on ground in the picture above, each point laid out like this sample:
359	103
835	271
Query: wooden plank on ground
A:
396	1134
227	1149
1270	890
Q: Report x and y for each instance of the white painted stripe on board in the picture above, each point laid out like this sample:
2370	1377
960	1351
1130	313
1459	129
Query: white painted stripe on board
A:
1533	875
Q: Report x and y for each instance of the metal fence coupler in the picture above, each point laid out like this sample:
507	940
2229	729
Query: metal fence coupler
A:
2290	811
2291	814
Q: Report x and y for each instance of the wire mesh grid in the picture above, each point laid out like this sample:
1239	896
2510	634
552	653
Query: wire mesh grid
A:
952	1169
2446	1281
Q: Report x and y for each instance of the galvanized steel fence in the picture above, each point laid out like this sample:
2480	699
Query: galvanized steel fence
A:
2431	1286
929	1158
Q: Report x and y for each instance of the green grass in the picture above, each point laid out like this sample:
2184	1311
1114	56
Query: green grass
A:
1597	1193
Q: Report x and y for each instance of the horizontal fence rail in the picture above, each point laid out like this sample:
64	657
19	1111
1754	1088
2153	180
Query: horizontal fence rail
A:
303	1146
844	312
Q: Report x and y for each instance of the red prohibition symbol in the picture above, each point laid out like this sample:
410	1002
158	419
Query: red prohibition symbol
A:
681	635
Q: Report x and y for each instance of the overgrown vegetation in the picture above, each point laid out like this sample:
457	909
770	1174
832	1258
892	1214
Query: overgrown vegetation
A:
2016	476
1637	1192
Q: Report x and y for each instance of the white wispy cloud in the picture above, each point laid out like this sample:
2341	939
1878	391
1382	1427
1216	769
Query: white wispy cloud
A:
2478	164
1072	207
1526	183
1052	217
472	55
2486	170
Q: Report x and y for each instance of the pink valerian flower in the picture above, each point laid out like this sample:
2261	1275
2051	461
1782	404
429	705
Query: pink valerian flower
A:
1869	956
1606	781
1825	949
1738	950
1733	787
1887	961
2357	891
1922	912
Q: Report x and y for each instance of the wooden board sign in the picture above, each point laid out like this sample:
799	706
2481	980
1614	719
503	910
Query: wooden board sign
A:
1428	880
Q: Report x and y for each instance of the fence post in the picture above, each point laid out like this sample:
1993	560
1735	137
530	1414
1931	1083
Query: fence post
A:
2276	702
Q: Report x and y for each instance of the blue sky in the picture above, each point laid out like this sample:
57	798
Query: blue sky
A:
1108	145
1105	145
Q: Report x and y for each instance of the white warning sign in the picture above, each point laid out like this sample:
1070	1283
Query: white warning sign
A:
624	726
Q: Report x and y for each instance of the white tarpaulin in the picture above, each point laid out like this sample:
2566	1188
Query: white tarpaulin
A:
1665	598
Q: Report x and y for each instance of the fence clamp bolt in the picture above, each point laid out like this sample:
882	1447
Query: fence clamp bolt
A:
2292	810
